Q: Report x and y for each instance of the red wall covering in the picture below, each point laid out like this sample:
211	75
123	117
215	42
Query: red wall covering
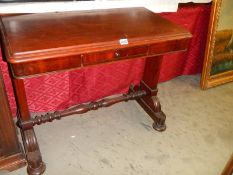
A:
60	90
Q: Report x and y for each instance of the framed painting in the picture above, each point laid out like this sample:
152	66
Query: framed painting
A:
218	62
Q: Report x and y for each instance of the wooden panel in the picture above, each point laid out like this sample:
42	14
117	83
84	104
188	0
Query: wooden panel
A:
11	156
7	130
12	162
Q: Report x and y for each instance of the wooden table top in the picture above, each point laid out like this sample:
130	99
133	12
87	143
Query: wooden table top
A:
40	36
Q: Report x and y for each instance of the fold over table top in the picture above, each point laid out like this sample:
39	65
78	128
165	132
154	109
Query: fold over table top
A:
41	36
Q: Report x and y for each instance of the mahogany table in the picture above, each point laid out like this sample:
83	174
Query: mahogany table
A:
37	44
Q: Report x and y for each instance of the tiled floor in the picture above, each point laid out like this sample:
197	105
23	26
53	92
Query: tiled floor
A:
120	140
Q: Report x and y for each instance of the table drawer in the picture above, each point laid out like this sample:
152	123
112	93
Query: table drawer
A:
169	46
46	65
114	55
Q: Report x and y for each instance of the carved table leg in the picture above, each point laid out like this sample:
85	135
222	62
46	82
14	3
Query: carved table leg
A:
150	103
33	155
35	164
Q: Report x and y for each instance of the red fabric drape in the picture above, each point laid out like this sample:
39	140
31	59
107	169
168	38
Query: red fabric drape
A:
60	90
196	19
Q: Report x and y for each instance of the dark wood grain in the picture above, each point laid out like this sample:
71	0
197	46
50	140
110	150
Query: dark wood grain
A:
38	44
11	155
12	162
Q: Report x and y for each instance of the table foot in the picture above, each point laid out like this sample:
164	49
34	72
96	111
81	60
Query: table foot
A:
35	164
151	104
153	109
160	124
36	171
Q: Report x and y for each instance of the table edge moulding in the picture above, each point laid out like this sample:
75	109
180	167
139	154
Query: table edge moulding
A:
31	46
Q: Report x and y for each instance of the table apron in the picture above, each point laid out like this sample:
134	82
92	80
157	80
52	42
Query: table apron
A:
44	66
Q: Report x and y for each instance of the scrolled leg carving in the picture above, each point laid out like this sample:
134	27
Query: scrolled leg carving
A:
34	160
150	103
35	164
159	124
153	108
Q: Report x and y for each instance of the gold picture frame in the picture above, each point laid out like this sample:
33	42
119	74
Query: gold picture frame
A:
218	61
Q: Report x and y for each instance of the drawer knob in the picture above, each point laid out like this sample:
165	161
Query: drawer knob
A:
117	54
